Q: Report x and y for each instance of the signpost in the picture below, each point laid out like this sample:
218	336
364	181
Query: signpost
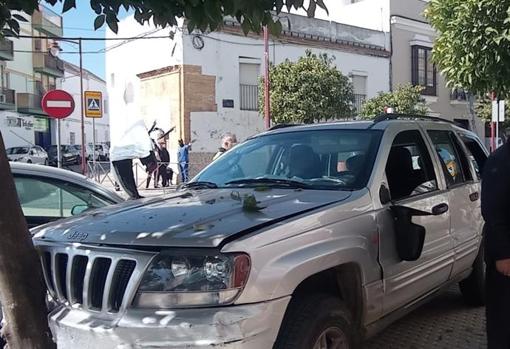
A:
94	110
498	115
58	104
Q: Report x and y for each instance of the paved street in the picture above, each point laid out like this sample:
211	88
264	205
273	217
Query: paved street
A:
444	323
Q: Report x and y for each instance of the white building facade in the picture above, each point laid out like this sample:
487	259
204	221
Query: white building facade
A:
27	71
71	126
207	84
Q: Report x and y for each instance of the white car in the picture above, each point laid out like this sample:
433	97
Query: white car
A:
30	154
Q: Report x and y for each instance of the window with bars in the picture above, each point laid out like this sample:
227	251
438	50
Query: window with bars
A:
423	70
248	85
359	85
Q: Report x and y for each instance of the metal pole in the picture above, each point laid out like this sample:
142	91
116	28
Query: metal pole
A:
493	147
267	111
497	130
94	145
83	157
59	154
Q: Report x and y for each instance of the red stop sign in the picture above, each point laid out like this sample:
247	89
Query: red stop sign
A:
58	104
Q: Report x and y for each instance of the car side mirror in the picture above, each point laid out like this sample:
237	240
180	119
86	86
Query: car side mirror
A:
79	209
410	237
384	194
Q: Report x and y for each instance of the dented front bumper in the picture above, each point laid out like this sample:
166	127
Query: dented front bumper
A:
251	326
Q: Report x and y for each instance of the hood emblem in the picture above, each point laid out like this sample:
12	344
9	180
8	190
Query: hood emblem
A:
76	236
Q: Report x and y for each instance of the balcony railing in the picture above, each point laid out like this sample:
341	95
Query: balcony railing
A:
6	49
249	95
7	99
45	63
459	94
47	21
29	103
359	100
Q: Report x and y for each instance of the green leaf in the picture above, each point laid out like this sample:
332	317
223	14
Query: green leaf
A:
99	21
112	24
321	4
20	17
68	4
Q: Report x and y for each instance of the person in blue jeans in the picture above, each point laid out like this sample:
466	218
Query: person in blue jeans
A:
183	160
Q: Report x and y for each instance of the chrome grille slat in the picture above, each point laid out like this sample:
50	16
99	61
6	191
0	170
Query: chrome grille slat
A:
115	287
55	276
108	285
46	263
86	282
68	279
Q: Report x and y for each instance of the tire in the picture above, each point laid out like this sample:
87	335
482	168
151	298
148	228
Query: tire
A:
473	288
309	317
46	162
29	161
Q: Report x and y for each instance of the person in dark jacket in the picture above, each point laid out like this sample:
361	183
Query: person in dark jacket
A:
496	212
165	161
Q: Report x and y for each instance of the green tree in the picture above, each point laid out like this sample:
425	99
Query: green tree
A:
472	49
406	99
309	90
201	14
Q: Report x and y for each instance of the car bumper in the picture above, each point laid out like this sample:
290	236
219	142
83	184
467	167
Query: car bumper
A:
253	326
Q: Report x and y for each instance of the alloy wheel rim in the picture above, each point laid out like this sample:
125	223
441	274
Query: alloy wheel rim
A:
332	338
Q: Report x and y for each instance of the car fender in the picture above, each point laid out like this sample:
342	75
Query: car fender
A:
279	266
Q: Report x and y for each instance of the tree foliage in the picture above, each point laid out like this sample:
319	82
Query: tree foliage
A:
406	99
309	90
473	46
201	14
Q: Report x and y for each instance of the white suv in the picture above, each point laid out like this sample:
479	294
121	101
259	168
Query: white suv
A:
302	237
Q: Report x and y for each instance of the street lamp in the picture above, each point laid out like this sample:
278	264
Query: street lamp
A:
55	51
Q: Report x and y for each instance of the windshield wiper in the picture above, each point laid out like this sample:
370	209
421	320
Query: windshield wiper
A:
199	185
270	182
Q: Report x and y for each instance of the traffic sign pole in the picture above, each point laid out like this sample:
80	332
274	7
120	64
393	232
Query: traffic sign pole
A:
94	144
59	153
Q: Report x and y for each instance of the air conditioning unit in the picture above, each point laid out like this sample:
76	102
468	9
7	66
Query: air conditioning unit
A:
2	98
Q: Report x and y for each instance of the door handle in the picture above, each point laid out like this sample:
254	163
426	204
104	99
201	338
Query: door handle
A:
440	209
474	196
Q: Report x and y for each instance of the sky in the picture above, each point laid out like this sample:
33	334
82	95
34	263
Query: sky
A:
79	22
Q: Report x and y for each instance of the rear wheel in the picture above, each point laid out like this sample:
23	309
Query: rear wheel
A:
29	161
46	162
473	288
317	321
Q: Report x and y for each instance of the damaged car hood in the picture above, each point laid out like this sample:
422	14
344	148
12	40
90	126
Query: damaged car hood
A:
202	218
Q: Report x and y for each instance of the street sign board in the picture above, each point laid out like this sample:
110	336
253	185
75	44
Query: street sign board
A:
93	104
58	104
495	110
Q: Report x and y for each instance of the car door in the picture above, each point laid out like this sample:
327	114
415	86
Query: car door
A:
45	200
414	181
464	196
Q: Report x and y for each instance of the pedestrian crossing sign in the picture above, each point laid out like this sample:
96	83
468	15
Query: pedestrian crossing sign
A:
93	104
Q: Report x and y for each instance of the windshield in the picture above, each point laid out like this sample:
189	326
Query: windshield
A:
319	159
17	150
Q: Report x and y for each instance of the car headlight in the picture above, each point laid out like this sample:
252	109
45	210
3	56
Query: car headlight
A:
174	281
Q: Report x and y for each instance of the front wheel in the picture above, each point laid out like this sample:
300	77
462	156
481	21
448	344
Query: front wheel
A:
317	322
473	288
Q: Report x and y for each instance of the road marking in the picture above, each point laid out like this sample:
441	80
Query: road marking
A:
58	104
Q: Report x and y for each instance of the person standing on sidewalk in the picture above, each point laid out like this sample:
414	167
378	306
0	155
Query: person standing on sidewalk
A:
496	212
183	160
165	161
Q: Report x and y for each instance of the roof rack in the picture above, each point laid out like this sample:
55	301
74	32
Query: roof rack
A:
393	116
278	126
